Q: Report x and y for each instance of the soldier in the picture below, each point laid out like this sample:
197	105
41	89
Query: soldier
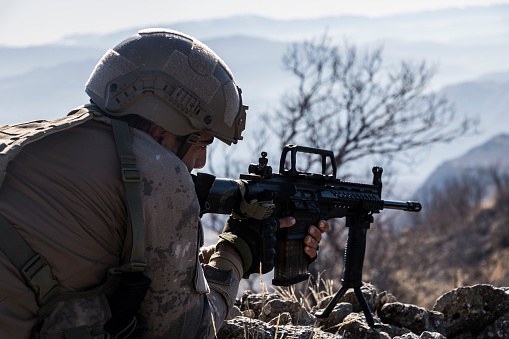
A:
99	214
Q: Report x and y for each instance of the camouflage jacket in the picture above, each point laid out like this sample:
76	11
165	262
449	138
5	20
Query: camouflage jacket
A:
65	196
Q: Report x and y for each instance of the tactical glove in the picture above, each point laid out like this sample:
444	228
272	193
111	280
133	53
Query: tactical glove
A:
254	240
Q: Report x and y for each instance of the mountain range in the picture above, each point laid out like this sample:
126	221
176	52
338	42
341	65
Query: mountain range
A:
468	46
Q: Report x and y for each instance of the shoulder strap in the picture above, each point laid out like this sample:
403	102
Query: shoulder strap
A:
131	176
32	266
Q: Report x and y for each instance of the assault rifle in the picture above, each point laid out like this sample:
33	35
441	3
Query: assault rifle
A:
309	198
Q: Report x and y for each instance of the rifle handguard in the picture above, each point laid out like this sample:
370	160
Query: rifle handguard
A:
255	209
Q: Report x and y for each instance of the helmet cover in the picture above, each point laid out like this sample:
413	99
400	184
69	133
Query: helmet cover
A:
172	80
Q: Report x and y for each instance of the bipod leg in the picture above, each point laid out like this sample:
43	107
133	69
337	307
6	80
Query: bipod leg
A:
365	308
354	260
362	302
330	306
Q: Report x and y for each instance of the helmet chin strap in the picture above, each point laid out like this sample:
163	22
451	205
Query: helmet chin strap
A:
190	140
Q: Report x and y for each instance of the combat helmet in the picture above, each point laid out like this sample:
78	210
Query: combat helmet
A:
172	80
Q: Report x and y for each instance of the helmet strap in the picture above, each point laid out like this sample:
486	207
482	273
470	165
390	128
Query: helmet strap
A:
190	140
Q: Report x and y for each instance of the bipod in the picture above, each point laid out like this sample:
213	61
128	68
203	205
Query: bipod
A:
354	260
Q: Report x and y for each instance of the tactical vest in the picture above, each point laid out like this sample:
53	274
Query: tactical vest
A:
111	306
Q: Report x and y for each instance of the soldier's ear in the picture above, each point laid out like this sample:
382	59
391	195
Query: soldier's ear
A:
164	138
156	132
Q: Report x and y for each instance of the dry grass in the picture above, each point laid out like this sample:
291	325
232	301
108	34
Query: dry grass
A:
314	292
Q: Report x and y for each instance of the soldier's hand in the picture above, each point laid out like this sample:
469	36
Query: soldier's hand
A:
312	240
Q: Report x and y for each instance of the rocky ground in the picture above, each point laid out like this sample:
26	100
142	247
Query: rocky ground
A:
480	311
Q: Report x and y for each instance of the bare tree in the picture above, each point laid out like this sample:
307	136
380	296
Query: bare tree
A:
348	101
351	103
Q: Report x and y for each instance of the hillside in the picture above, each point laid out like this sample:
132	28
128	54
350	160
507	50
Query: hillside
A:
458	239
488	156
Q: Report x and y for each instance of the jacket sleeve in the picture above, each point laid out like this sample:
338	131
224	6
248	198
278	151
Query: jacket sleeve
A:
206	253
223	274
192	290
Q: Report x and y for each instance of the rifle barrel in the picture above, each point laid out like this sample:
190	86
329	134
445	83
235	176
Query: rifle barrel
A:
411	206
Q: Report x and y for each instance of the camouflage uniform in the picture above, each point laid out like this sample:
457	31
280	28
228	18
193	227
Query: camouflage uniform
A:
66	198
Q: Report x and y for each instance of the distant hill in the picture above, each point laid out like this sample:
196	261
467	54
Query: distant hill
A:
456	24
53	83
493	153
18	61
487	98
464	43
44	93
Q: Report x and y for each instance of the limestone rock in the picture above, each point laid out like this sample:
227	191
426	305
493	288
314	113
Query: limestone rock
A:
471	309
368	291
245	328
431	335
274	307
474	312
338	314
416	319
284	318
234	312
499	329
255	301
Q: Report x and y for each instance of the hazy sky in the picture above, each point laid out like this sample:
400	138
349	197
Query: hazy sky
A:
34	22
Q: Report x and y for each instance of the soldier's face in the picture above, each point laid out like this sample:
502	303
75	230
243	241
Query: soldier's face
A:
196	156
